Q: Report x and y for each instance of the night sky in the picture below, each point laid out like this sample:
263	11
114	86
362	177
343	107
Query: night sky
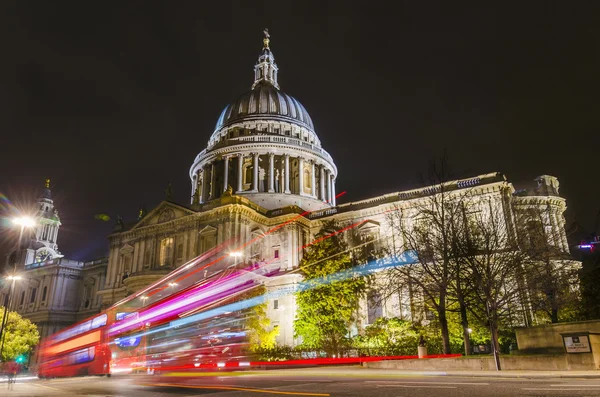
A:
113	101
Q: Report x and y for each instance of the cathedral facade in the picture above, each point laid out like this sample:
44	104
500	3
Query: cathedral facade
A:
263	167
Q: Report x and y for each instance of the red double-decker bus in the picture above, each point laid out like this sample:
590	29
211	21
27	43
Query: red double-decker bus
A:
113	341
81	349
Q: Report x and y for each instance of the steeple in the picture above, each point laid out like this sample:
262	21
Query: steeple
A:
265	71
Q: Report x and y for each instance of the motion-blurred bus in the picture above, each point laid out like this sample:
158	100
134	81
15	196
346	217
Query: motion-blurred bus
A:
148	330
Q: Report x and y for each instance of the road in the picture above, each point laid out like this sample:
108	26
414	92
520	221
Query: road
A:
320	382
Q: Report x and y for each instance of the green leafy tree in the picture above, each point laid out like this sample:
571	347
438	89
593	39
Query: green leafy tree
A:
326	312
21	335
261	336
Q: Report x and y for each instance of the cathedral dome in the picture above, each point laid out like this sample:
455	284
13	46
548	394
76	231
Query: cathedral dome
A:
265	100
264	147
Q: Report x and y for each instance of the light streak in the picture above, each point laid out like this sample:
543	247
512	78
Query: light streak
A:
406	258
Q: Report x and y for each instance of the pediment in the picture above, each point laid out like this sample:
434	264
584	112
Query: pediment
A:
369	226
163	213
208	230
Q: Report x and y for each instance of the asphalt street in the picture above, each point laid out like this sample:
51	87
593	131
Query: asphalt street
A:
325	381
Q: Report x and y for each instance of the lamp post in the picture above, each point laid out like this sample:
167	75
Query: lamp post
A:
469	347
6	310
23	222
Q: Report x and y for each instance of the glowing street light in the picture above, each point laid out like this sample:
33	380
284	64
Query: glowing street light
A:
16	278
469	330
235	254
173	284
24	221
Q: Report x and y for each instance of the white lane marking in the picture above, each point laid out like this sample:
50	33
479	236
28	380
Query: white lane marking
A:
417	387
556	389
573	385
428	383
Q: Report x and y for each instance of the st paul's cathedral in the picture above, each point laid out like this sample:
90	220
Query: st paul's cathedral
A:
263	167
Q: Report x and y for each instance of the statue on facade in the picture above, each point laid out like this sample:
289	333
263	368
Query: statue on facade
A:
120	225
169	192
228	192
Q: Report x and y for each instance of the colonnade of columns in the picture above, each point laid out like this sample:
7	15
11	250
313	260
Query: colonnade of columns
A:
323	189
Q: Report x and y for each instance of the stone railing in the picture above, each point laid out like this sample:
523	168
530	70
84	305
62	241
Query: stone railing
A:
409	195
270	139
54	262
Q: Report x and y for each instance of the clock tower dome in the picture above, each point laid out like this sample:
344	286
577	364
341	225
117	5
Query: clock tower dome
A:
43	245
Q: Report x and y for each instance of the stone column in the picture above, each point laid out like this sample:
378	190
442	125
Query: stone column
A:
226	176
313	189
213	191
301	175
239	175
322	183
327	186
271	172
330	188
255	173
205	183
199	185
333	190
287	174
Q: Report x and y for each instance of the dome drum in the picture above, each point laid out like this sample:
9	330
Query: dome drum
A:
265	147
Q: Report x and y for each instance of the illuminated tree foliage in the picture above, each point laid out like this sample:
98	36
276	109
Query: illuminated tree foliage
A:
261	337
326	312
21	336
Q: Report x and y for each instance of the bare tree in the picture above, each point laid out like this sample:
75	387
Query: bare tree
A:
494	261
551	274
429	228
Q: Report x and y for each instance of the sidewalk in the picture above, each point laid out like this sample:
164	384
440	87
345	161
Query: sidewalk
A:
358	371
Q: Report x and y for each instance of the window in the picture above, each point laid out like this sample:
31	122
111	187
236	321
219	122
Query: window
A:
33	294
22	298
179	251
276	254
147	257
89	325
166	252
44	291
276	304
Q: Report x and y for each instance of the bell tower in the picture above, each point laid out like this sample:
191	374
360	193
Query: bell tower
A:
44	245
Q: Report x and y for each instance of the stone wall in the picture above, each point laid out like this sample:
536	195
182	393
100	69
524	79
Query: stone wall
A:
547	338
546	362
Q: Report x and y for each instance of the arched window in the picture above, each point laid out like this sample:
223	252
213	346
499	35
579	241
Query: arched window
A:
166	252
307	181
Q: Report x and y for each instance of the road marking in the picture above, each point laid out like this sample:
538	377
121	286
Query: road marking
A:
419	387
45	387
293	393
557	389
573	385
428	383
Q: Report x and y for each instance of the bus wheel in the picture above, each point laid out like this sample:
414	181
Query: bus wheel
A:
108	375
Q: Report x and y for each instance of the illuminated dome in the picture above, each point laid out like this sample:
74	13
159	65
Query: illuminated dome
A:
265	100
264	147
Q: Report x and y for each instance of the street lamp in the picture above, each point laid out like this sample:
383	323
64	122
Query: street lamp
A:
23	222
12	278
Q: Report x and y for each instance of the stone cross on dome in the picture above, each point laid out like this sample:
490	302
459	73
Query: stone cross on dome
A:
267	38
